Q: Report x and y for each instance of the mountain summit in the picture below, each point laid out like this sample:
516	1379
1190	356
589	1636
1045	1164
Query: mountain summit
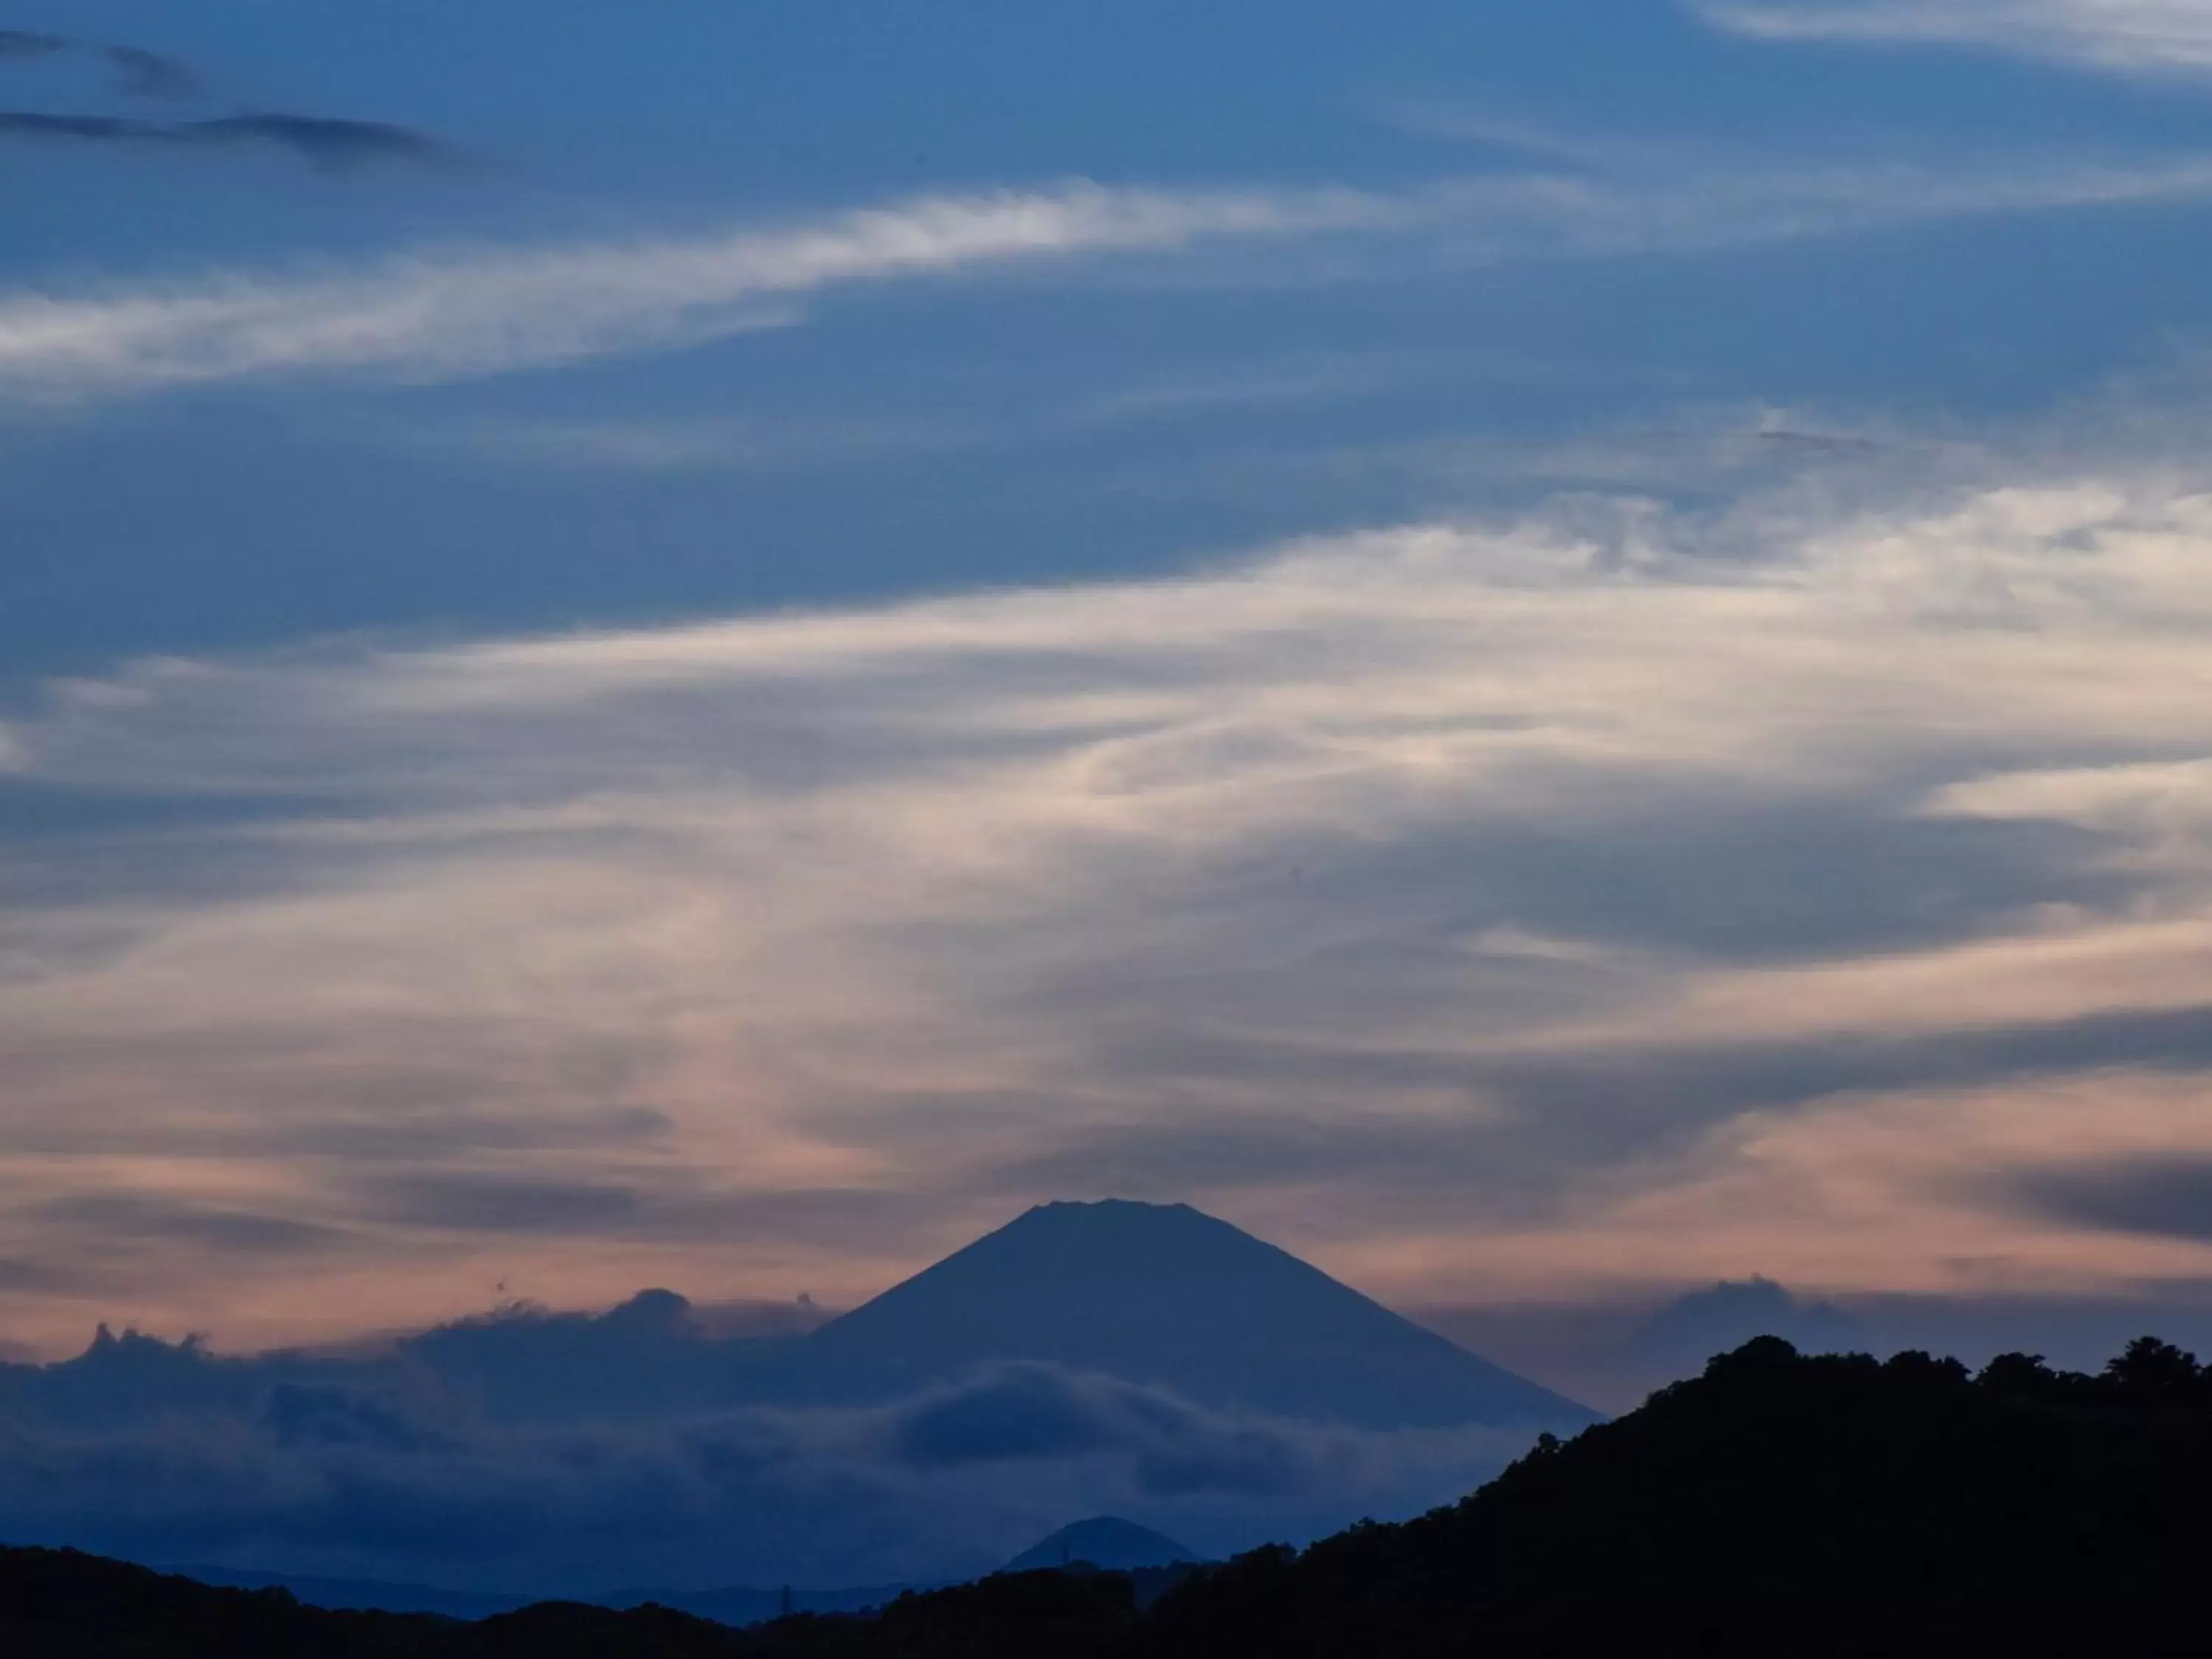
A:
1165	1295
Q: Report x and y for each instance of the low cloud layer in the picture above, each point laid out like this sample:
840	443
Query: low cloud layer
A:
404	1466
2113	34
1485	910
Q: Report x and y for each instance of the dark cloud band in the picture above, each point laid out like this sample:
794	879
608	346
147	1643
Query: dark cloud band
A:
137	73
2163	1197
427	1462
331	146
151	75
21	43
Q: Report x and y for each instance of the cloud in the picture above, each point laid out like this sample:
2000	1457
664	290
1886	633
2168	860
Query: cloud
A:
717	445
498	1204
457	313
22	43
151	74
331	145
2173	35
1024	1413
454	313
137	73
2160	1196
1600	1350
1527	905
128	1215
326	1468
1688	1331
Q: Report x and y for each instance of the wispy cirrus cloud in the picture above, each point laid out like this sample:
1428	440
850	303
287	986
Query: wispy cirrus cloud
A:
457	313
454	313
2112	35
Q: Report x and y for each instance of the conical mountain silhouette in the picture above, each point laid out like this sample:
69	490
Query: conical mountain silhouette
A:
1164	1295
1105	1541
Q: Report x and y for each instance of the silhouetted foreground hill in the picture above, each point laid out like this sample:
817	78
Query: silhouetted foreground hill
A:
1784	1505
1778	1505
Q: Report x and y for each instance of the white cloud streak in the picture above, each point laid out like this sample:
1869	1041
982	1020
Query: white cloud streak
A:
472	312
2132	35
461	313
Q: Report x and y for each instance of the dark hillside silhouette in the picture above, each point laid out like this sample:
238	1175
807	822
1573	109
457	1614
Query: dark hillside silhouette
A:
59	1604
1775	1505
1780	1505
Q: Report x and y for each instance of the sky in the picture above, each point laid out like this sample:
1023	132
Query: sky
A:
1547	651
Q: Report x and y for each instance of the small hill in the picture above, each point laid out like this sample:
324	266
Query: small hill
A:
1162	1294
1106	1542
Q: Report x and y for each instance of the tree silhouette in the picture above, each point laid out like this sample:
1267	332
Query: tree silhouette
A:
2155	1373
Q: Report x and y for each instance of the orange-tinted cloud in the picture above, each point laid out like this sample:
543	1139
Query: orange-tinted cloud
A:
1487	911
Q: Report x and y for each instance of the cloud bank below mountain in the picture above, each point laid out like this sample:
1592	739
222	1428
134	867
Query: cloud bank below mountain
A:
396	1468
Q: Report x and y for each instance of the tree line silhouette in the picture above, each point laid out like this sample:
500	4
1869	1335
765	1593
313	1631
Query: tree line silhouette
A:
1778	1505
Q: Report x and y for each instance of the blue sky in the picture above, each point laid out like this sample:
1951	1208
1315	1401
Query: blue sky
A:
1535	646
1018	424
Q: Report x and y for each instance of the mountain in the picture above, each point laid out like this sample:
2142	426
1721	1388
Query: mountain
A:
1106	1541
1161	1294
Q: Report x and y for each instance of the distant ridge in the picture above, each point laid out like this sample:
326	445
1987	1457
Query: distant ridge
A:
1164	1295
736	1605
1105	1541
365	1594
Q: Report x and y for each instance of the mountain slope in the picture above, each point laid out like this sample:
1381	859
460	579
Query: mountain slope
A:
1162	1294
1105	1541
